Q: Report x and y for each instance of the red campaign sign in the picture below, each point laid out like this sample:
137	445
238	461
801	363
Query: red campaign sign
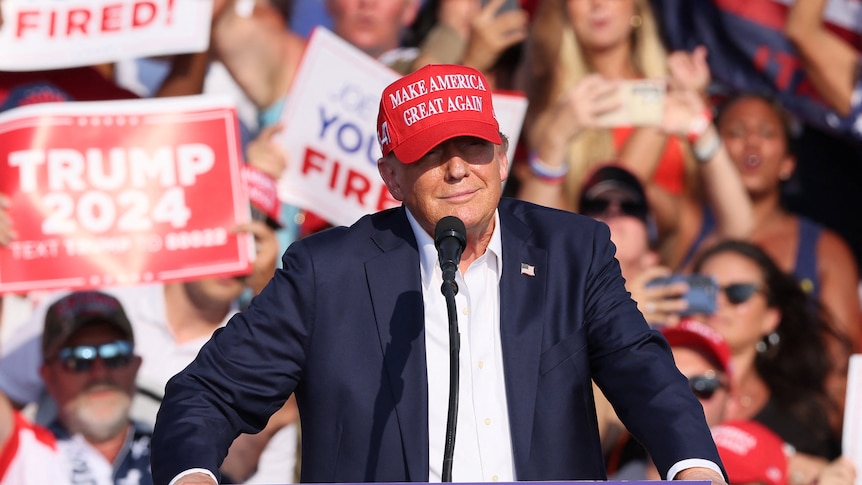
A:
122	192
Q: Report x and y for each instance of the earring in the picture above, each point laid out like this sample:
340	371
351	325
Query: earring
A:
773	339
636	21
770	340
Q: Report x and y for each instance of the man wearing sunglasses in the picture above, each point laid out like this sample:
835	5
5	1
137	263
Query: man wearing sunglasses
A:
702	355
615	196
89	369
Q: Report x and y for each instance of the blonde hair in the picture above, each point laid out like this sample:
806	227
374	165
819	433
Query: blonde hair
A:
556	62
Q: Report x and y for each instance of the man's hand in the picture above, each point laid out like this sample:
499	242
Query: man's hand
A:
266	245
267	155
701	474
690	70
839	472
491	33
659	304
196	479
6	232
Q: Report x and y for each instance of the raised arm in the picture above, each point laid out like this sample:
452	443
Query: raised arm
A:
687	115
549	137
186	76
830	63
258	50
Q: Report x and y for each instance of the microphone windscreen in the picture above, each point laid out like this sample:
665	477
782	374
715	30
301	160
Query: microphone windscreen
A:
450	226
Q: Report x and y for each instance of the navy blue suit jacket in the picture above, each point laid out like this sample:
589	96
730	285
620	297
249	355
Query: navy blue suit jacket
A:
341	326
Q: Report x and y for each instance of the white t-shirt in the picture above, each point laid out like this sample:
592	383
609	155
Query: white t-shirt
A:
31	457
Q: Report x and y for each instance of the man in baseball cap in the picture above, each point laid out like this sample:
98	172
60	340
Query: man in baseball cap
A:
89	369
554	289
609	187
442	117
702	355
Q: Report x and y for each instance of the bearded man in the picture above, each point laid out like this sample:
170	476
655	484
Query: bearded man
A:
89	369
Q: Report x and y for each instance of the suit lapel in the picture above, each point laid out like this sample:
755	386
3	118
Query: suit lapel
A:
395	286
522	290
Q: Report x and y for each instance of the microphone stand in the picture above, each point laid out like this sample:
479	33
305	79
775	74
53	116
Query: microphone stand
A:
450	289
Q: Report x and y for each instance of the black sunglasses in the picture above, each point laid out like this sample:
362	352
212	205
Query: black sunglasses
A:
80	358
704	386
597	207
737	293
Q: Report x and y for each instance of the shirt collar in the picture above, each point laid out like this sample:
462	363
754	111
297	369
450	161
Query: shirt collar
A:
428	252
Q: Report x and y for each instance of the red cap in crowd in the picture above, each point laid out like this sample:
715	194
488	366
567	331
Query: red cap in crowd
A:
698	336
751	453
434	104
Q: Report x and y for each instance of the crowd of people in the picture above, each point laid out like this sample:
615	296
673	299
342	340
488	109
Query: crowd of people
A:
687	174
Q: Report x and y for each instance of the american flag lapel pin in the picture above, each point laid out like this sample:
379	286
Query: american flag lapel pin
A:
528	269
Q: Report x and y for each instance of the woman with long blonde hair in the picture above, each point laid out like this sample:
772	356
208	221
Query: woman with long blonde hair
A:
579	54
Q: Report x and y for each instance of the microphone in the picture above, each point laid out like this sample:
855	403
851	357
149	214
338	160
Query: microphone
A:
450	238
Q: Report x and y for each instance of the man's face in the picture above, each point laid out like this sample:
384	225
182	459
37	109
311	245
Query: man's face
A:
218	291
629	232
374	26
460	177
94	400
691	364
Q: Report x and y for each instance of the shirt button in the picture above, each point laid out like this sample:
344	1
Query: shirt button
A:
466	311
487	421
481	364
495	478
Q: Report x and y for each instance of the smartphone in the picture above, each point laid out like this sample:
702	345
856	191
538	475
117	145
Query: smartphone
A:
701	294
641	104
507	5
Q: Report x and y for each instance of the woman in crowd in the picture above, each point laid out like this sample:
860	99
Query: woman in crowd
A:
578	56
756	135
779	357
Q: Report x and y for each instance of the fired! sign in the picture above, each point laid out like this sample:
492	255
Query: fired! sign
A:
331	134
122	192
54	34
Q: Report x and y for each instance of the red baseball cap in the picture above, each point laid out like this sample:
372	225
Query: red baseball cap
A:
434	104
698	336
751	452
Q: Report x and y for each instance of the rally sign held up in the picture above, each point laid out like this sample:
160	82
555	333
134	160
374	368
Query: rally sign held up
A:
55	34
122	192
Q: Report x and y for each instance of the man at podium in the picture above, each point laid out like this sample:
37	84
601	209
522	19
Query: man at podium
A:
356	327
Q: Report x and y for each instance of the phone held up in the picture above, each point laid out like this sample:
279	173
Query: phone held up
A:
701	294
507	5
641	104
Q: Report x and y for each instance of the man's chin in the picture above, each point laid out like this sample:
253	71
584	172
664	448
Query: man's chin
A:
100	415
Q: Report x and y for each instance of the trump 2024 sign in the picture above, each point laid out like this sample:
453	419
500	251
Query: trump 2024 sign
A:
122	192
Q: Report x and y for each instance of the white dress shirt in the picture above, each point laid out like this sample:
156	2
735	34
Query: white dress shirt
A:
483	444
